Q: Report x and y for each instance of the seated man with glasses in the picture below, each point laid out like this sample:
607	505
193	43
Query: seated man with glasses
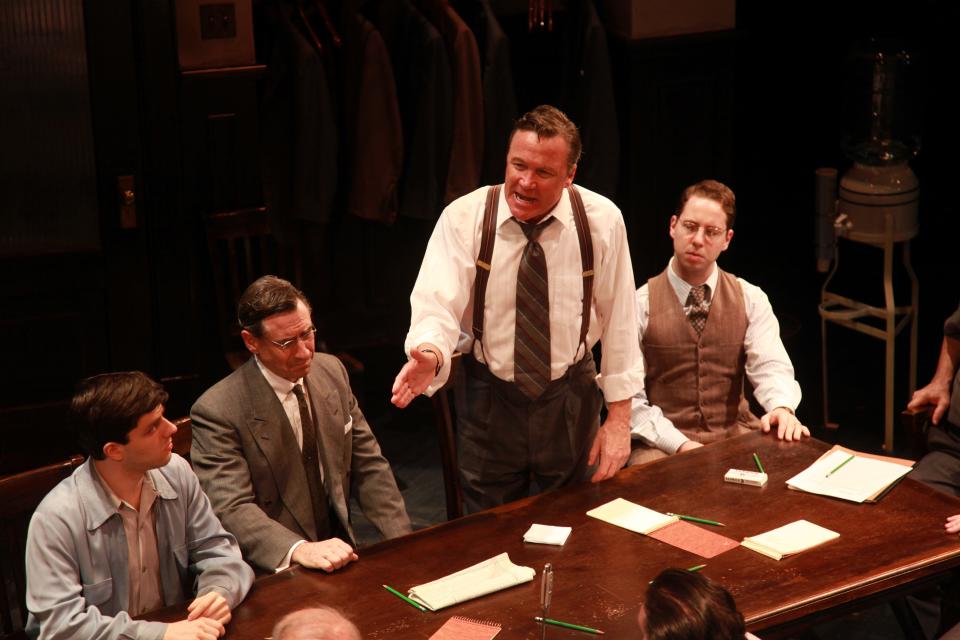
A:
702	330
280	445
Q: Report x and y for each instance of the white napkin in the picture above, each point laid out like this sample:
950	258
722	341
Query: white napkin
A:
486	577
547	534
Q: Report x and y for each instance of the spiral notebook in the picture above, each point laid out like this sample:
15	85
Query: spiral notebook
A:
460	628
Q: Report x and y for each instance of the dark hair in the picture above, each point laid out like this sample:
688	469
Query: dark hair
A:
106	407
548	122
266	296
682	605
712	190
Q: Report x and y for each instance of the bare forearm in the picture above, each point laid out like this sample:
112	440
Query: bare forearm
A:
948	362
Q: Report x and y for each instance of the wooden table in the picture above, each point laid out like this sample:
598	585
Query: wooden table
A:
602	572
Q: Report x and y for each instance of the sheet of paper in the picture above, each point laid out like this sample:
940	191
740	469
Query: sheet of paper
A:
547	534
629	515
858	480
482	578
698	540
789	539
460	628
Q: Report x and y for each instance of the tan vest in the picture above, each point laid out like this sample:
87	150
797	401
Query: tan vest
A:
697	381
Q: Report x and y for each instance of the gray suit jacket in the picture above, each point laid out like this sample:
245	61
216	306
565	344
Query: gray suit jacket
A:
248	461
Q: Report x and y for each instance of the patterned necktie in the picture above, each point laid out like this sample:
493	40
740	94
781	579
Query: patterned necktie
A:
697	307
311	466
531	345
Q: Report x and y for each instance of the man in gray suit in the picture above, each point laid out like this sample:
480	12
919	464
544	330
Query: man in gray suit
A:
280	443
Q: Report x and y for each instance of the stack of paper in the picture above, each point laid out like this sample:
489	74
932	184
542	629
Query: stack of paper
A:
850	475
629	515
486	577
789	539
546	534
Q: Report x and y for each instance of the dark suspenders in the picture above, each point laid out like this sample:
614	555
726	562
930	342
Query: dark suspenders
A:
487	238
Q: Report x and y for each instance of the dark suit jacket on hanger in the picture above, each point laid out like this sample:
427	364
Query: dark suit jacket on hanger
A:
248	461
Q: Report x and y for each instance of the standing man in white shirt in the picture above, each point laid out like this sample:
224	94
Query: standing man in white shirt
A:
702	331
524	279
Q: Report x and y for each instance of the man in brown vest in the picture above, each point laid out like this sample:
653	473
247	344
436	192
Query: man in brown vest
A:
701	331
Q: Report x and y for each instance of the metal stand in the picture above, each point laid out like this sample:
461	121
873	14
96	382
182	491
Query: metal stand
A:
848	313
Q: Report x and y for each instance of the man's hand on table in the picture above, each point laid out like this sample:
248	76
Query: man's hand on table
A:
788	425
326	555
953	524
199	629
210	605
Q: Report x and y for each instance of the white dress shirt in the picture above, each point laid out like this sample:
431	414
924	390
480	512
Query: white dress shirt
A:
284	390
768	367
442	298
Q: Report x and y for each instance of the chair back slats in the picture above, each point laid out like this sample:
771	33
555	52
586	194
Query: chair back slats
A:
242	247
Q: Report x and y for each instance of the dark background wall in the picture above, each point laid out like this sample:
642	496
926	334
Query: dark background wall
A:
92	91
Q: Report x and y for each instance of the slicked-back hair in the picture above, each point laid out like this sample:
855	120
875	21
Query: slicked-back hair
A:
106	407
682	605
712	190
548	122
315	623
266	296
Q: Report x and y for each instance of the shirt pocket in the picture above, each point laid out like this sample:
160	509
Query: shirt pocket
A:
99	592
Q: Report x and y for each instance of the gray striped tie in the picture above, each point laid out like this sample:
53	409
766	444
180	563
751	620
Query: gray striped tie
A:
531	346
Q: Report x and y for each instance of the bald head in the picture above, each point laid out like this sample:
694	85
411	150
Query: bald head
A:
315	623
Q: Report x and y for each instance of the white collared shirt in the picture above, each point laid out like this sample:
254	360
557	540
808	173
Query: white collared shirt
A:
768	367
442	298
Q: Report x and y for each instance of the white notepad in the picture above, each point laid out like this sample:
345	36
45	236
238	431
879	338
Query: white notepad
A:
789	539
632	516
482	578
860	479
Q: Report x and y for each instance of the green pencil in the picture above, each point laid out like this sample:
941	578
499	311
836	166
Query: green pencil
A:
695	519
837	468
756	460
405	598
567	625
696	568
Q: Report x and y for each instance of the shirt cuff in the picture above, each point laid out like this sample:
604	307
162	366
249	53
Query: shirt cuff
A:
782	401
620	386
668	441
285	563
435	339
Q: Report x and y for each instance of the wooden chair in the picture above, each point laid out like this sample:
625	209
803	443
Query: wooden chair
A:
243	247
443	421
19	496
916	424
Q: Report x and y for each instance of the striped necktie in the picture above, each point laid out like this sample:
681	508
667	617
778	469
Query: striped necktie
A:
531	347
